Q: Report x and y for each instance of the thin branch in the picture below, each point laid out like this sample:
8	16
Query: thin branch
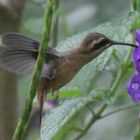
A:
91	110
21	127
87	127
77	129
126	107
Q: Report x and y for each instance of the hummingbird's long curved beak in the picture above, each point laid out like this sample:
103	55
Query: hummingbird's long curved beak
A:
123	43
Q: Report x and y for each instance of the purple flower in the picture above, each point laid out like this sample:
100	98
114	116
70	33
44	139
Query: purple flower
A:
133	88
136	53
51	104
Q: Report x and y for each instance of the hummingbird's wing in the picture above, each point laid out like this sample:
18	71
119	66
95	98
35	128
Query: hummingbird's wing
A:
20	52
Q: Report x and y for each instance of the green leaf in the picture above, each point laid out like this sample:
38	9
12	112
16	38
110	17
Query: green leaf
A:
59	120
63	94
55	121
70	92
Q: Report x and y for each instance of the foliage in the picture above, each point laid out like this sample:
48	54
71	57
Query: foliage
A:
58	122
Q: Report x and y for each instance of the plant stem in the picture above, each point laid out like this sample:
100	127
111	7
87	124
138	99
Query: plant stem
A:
54	32
21	127
134	4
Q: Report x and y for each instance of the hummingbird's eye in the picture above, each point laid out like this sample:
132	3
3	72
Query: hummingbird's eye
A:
104	41
99	44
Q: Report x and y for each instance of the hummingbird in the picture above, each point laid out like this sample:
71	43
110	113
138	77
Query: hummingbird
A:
20	53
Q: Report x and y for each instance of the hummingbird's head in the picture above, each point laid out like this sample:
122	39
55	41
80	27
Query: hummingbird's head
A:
97	42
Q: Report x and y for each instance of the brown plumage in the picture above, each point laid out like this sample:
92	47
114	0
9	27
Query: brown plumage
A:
20	53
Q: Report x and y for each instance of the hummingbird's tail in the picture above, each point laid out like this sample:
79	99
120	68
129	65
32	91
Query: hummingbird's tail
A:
40	97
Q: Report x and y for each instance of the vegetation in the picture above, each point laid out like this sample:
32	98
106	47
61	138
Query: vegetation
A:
97	92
